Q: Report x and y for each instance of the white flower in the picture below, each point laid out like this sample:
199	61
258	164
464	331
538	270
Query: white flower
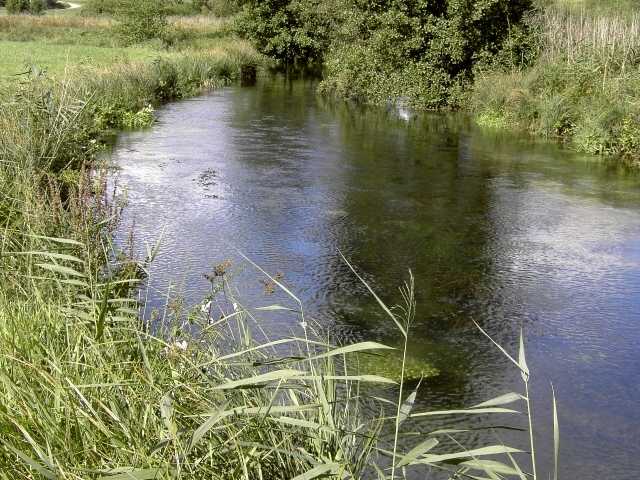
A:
183	345
206	308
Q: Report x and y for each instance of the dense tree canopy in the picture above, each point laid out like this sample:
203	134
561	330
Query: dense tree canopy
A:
423	51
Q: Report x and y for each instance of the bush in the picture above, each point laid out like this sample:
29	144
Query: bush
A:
293	32
220	8
170	7
34	7
142	20
17	6
421	52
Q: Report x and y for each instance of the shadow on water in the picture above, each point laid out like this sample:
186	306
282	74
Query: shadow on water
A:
498	229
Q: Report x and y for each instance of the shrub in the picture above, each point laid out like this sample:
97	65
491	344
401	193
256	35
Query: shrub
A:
421	52
17	6
142	20
293	32
219	8
36	7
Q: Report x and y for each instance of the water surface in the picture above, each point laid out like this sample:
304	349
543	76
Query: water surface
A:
497	229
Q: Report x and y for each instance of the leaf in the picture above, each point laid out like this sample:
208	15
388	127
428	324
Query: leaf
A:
33	464
57	256
490	466
271	308
522	361
252	349
504	352
356	347
380	302
66	241
75	283
556	434
478	452
505	399
145	474
276	375
352	378
447	431
60	269
202	430
318	471
407	406
297	422
166	413
417	451
472	411
104	307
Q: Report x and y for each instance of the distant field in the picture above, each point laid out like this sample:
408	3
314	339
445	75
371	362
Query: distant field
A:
56	58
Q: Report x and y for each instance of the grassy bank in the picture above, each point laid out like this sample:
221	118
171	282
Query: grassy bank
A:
583	87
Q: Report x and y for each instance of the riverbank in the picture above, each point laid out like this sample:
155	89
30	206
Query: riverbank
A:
582	88
561	69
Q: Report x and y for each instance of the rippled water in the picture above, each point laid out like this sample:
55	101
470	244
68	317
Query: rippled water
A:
496	229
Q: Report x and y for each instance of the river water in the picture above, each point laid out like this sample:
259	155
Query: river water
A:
498	229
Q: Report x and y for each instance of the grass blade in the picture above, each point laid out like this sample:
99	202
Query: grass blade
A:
277	375
505	399
380	302
319	471
417	451
556	435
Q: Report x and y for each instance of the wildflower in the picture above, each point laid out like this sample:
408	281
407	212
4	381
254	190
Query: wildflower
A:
206	308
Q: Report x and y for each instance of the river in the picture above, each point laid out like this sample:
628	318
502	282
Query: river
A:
496	228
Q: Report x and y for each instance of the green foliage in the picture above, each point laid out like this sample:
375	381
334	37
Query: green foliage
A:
296	31
110	116
582	89
142	20
171	7
17	6
220	8
34	7
421	52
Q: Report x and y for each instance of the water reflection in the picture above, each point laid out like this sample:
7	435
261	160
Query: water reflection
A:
496	229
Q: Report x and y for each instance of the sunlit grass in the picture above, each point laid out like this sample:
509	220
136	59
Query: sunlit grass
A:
581	89
56	59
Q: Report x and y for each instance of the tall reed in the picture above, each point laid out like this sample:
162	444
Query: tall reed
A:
609	39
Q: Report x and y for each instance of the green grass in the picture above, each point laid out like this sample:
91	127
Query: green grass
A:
56	59
582	90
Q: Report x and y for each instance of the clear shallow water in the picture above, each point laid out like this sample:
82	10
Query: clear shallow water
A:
496	229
